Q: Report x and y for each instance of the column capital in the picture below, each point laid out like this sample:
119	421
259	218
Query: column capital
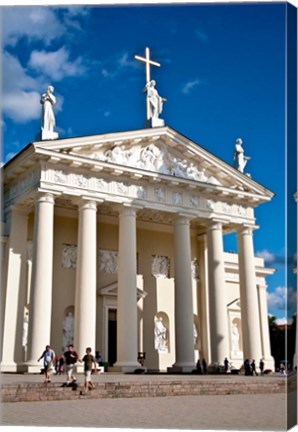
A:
127	210
180	219
247	229
215	224
44	197
85	204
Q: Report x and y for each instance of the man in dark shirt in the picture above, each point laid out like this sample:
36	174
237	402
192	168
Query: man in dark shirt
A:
71	358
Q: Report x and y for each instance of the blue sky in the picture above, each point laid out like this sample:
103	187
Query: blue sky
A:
222	73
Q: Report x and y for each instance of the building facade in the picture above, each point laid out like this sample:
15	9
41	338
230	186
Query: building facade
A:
115	241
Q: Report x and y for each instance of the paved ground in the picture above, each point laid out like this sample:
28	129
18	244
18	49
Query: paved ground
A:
238	412
233	412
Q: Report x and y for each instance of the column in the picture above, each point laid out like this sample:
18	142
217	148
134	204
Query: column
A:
127	323
248	296
217	296
40	313
12	357
85	290
204	298
183	297
265	336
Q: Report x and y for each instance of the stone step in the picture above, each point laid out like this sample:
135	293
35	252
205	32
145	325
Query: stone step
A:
147	388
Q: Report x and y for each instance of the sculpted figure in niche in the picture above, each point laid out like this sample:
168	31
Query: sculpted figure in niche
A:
155	101
195	334
68	326
160	335
25	330
48	119
239	159
235	339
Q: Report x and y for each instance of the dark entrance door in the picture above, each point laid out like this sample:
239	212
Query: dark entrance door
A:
112	337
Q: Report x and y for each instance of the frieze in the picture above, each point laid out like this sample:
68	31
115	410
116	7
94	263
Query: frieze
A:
160	194
141	192
177	198
101	184
80	180
60	176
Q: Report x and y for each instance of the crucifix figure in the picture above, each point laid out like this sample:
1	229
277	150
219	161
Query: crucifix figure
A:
153	101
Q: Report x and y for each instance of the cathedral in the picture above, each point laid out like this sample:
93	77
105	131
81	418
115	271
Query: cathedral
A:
115	241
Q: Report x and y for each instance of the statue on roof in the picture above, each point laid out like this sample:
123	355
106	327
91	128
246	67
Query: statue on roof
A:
47	101
239	159
155	101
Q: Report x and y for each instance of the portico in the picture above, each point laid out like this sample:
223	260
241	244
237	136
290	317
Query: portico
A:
147	211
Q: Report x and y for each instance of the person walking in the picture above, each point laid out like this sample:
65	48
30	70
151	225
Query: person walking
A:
261	366
48	362
88	360
253	368
71	357
204	364
226	364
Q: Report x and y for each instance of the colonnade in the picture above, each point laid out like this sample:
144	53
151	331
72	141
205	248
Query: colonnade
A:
85	291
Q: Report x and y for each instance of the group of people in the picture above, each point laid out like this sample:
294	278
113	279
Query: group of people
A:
250	367
201	368
70	358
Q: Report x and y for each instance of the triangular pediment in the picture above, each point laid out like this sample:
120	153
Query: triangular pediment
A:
159	151
112	290
235	305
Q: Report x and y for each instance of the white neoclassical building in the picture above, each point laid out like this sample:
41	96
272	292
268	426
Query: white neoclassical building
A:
115	241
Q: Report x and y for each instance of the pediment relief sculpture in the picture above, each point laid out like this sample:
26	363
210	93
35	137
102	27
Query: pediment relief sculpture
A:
156	159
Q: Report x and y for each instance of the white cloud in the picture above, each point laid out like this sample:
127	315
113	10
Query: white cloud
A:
56	64
186	89
266	255
21	92
284	320
22	106
282	298
39	23
20	98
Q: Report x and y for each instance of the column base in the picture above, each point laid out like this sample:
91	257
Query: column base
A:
12	367
33	367
125	367
181	368
269	364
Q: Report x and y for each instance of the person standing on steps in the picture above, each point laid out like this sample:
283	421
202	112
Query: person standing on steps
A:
71	357
88	360
48	362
